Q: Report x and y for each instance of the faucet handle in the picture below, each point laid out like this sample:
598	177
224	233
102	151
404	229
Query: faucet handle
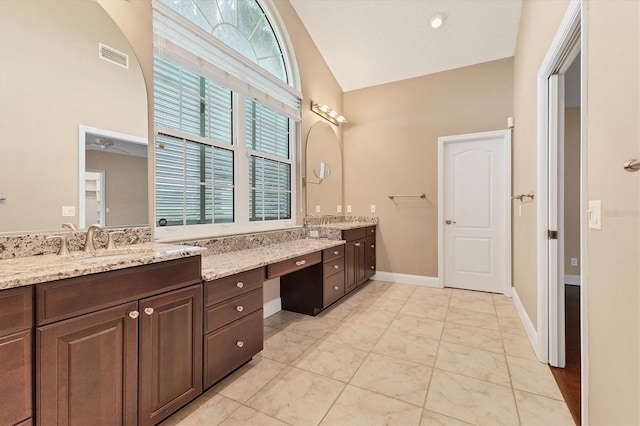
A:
64	249
111	244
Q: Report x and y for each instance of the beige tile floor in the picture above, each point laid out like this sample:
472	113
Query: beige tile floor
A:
390	354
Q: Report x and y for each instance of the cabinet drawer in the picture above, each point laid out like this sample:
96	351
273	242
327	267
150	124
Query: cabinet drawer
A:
16	309
333	289
232	286
371	231
354	234
74	296
334	266
332	253
291	265
231	346
224	313
15	387
370	247
370	267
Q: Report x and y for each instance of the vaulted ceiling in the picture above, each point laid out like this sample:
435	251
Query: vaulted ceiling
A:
371	42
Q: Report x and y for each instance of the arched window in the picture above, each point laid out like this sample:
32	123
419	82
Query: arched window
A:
225	107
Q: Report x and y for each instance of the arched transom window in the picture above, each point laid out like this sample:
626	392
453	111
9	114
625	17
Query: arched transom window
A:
225	108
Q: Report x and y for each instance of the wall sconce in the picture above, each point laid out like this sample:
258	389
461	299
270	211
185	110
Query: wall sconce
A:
327	113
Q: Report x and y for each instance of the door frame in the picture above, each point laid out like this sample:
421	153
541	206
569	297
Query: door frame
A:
506	175
571	35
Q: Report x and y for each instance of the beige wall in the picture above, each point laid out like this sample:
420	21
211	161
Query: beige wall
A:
391	147
51	81
571	189
125	186
538	24
613	286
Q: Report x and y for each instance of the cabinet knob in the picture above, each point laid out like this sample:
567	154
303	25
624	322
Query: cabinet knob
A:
336	267
357	244
134	314
373	267
239	308
336	252
148	311
301	262
336	288
372	246
240	284
239	343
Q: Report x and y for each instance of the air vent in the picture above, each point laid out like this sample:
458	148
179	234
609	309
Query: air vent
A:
112	55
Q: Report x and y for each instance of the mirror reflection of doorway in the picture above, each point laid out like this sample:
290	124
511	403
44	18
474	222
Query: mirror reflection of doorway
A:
94	195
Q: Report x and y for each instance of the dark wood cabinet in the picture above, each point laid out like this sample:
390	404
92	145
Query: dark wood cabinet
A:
233	322
134	362
16	322
87	369
359	256
170	352
370	252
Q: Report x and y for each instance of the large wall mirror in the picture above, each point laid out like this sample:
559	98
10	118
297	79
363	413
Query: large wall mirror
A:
62	105
323	172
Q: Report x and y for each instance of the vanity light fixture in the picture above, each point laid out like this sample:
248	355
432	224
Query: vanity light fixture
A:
327	113
437	20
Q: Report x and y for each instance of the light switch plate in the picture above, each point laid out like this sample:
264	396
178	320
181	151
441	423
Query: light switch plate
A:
317	209
348	208
373	208
68	211
594	213
339	208
313	234
574	261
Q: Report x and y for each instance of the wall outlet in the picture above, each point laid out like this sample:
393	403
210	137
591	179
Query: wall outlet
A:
348	208
317	209
68	211
574	261
339	208
313	234
373	208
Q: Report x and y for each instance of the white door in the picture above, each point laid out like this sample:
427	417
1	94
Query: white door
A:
475	219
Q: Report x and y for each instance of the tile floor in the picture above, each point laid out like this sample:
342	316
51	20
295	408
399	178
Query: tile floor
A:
390	354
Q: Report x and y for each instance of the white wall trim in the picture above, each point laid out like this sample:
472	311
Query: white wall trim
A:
528	327
571	279
395	277
272	307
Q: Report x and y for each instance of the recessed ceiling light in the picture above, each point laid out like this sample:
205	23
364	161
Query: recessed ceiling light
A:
437	20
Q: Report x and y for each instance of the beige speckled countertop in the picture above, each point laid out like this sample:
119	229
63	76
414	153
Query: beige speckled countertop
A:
222	265
37	269
343	226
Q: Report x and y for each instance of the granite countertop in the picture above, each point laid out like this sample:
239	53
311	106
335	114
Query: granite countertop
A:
343	226
23	271
222	265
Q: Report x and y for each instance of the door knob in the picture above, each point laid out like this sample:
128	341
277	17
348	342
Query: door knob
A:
449	221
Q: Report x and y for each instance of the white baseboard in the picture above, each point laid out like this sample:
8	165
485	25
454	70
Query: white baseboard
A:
532	334
572	279
395	277
272	307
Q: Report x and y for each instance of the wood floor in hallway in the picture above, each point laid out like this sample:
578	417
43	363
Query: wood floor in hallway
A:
568	378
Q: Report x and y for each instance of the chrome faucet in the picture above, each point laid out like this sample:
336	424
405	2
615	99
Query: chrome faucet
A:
70	226
88	243
325	219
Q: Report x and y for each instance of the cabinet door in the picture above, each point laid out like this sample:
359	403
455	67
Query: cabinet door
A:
86	369
15	385
361	272
170	352
350	266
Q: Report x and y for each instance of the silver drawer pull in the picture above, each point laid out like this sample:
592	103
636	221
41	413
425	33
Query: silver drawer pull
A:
372	246
240	284
301	262
239	343
239	308
336	252
336	267
336	288
134	314
148	311
373	267
357	244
